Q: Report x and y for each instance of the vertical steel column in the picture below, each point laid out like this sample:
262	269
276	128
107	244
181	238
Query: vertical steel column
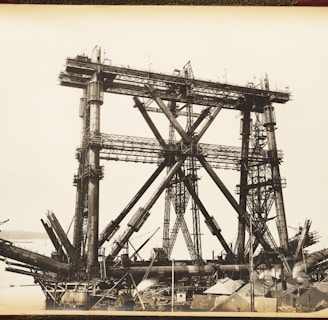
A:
245	132
95	100
168	192
79	209
269	124
77	233
166	225
194	209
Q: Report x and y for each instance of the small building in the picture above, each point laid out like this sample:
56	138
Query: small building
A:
181	296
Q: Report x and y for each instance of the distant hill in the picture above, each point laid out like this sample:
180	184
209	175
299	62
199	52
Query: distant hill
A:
19	235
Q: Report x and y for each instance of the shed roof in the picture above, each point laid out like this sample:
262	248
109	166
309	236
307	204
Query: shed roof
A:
225	286
234	303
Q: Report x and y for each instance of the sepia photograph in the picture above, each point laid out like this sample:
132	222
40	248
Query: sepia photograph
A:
163	161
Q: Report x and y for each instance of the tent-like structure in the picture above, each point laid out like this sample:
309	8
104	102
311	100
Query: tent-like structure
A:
225	286
323	304
322	286
303	298
286	298
262	304
311	298
261	288
206	302
234	303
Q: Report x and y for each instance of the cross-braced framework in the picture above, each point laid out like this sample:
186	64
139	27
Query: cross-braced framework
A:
182	153
82	274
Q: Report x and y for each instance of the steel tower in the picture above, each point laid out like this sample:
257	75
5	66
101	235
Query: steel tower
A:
81	273
176	96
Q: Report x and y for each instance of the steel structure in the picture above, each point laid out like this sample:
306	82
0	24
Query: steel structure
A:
182	157
83	262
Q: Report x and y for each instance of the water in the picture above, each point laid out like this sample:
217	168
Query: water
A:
18	293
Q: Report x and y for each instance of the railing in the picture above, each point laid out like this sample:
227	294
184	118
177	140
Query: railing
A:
148	150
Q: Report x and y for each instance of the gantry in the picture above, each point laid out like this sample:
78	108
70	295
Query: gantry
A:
199	101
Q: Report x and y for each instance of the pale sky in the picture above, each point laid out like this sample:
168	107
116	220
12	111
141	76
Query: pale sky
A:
40	126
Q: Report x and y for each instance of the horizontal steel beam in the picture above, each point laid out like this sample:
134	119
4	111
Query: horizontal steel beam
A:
164	271
8	250
128	81
148	150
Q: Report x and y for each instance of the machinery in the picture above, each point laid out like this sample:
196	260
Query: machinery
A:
79	274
